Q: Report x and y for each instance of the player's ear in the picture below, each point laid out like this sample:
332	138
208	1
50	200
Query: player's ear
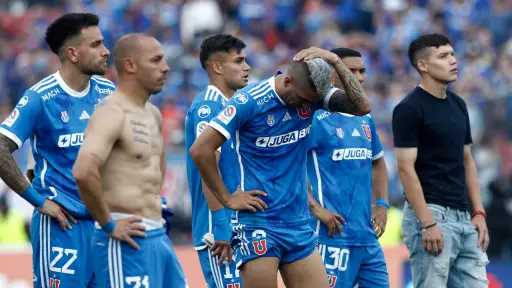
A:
422	65
287	82
216	67
72	54
129	65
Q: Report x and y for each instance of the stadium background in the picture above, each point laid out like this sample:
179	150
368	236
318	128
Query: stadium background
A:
481	31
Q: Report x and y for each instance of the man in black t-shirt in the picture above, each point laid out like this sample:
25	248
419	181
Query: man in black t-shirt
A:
443	225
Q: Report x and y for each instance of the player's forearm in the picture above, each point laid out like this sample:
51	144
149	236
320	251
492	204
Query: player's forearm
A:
91	193
355	101
206	163
380	179
10	173
312	201
414	194
473	186
211	200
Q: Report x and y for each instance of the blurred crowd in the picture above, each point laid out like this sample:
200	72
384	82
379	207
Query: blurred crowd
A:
274	30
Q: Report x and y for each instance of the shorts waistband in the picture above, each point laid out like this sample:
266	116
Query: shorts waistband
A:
149	224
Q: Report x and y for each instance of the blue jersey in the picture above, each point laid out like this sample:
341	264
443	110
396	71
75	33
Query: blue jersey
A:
271	144
205	106
54	117
342	148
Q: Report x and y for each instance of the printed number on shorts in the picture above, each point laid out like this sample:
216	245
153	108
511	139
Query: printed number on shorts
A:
228	274
138	281
234	285
339	256
71	257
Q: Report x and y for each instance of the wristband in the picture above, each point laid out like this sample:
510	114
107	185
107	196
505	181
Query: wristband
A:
478	213
109	227
33	197
424	228
221	230
382	202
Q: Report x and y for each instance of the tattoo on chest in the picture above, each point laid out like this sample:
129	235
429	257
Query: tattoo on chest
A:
140	131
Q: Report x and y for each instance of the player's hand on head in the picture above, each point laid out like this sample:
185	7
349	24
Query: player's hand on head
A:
483	233
53	209
330	219
433	241
247	200
126	228
315	52
379	219
223	250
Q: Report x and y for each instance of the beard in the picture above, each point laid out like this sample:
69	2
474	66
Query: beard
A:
94	70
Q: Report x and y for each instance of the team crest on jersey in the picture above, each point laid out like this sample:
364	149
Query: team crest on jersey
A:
304	113
64	116
270	120
340	133
367	132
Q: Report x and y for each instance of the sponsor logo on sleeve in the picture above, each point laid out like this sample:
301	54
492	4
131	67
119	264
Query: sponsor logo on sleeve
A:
201	126
241	98
12	118
227	114
23	101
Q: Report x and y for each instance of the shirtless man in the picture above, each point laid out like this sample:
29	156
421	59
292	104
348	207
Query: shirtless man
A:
119	173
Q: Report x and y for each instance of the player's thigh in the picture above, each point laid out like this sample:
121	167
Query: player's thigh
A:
306	272
61	258
224	275
373	271
260	272
342	264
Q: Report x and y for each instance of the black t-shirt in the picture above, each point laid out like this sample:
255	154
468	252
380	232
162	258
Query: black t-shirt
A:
439	128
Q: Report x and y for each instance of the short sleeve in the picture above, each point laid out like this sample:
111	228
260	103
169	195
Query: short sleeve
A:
317	131
203	115
377	149
406	123
22	121
238	111
469	139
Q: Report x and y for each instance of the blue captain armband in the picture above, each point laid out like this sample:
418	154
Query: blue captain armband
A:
382	202
33	197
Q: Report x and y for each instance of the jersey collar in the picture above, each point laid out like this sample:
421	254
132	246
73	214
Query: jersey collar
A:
214	88
272	83
68	89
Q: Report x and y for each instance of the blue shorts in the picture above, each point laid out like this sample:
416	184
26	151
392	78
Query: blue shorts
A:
155	265
350	265
61	258
223	276
289	244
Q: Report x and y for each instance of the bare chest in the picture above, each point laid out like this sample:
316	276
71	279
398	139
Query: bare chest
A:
141	137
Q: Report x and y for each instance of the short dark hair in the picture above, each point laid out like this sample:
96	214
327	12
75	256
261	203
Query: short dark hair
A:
219	43
423	42
66	27
299	71
346	52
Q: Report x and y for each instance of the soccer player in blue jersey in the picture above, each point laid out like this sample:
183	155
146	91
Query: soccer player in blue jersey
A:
224	59
269	123
53	114
120	172
346	168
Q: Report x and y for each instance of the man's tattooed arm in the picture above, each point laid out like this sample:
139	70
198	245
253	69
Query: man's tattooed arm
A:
354	99
9	170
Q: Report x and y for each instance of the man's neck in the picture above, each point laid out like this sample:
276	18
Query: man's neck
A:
433	87
75	79
278	87
223	88
135	93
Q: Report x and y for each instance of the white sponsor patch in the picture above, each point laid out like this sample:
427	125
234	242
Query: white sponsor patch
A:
12	118
351	154
67	140
227	114
201	126
284	139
